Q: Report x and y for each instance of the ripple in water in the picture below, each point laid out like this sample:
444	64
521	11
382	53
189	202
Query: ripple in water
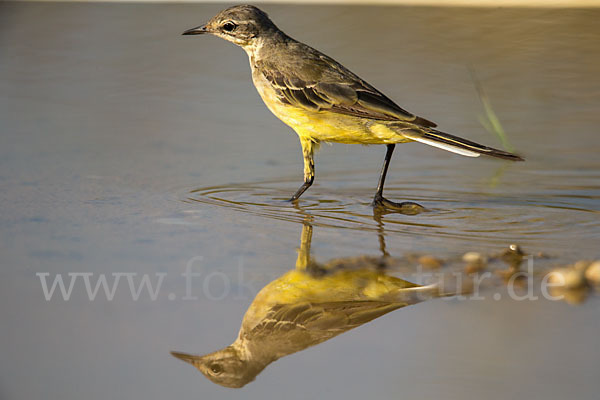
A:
544	220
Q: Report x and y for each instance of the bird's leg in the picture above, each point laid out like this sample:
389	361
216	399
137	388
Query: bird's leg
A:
407	207
303	261
386	163
378	217
309	167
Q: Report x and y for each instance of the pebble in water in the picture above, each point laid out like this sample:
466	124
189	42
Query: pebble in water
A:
513	256
567	278
592	274
475	262
430	262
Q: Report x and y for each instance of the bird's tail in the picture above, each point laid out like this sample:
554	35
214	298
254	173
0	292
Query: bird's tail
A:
458	145
448	287
415	294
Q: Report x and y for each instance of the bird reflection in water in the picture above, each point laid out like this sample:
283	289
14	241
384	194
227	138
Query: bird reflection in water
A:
307	306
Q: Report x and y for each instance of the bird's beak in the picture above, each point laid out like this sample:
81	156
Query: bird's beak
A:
199	30
189	358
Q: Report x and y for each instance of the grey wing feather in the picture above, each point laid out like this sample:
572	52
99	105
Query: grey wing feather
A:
314	81
334	316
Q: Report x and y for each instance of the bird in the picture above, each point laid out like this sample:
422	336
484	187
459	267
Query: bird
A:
323	101
306	306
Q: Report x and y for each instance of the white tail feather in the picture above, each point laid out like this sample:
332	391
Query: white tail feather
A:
444	146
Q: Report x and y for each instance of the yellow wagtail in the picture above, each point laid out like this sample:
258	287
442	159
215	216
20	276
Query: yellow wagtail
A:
307	306
323	101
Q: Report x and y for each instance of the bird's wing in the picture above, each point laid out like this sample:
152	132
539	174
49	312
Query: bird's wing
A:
314	81
288	328
356	313
334	317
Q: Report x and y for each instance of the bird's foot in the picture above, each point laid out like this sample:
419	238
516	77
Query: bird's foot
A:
406	207
302	189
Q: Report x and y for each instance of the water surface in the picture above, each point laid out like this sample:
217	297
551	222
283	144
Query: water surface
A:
126	148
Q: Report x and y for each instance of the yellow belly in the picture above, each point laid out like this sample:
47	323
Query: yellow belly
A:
325	126
332	127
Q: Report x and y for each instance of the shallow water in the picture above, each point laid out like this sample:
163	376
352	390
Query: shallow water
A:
126	148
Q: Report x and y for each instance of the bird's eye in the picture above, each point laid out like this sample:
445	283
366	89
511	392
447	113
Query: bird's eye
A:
229	26
216	369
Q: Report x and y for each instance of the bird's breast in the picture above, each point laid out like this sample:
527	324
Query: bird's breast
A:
292	116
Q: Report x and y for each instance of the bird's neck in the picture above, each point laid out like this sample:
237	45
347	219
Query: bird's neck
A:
256	48
256	352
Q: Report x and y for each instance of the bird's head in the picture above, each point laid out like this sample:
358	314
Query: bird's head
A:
224	367
243	25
